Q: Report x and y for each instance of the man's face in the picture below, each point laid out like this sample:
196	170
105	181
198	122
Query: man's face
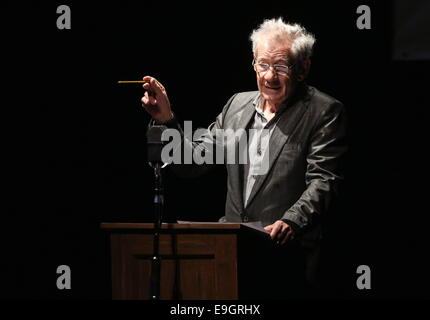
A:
275	88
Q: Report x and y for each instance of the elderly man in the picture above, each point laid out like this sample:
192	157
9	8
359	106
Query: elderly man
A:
306	142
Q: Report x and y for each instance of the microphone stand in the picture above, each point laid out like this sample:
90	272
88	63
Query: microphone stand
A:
158	207
155	146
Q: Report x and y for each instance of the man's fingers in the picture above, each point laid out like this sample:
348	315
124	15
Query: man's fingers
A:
156	87
275	230
146	86
282	234
147	78
283	231
288	236
145	98
151	86
155	100
280	231
145	101
148	100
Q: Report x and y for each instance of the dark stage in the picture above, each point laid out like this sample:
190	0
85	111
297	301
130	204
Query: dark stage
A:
74	144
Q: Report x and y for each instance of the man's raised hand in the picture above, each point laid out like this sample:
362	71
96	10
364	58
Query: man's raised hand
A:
155	100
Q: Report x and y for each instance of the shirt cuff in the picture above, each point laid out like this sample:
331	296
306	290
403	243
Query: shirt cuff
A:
171	124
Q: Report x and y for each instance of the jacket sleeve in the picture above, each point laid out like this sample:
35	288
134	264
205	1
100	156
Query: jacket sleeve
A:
324	158
196	151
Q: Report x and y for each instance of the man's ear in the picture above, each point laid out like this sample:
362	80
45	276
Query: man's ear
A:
304	70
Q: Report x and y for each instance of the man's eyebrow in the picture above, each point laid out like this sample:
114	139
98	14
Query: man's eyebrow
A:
283	60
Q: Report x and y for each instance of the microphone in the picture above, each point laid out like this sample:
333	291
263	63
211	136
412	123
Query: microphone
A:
155	144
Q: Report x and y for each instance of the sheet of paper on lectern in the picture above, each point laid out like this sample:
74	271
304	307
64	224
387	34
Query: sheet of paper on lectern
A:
256	225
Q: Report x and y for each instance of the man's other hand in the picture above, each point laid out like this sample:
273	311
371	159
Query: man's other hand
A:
280	232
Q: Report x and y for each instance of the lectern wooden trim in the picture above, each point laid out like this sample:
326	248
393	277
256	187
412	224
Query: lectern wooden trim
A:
199	261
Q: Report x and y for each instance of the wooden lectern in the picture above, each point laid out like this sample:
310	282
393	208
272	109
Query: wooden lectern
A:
198	260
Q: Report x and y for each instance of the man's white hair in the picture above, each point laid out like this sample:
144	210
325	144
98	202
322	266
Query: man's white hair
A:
277	29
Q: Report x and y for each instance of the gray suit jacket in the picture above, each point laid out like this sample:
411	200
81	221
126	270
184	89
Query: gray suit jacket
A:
305	151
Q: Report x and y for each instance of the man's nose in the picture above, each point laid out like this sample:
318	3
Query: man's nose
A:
270	74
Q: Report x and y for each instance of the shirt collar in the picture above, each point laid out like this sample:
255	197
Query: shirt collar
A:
257	104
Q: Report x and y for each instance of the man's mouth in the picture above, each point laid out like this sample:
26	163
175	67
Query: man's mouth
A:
272	87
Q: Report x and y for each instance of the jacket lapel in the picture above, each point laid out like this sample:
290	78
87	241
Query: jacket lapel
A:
280	135
236	172
246	115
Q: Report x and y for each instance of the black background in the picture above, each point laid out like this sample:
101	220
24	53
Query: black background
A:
74	141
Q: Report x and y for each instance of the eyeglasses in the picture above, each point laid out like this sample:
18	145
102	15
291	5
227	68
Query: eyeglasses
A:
280	69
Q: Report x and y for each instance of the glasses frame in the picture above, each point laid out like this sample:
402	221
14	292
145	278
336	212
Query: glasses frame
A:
269	66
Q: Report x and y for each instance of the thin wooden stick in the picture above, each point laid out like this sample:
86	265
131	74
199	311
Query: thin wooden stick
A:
134	81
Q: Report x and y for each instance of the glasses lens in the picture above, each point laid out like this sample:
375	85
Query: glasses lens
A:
278	68
262	67
281	69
